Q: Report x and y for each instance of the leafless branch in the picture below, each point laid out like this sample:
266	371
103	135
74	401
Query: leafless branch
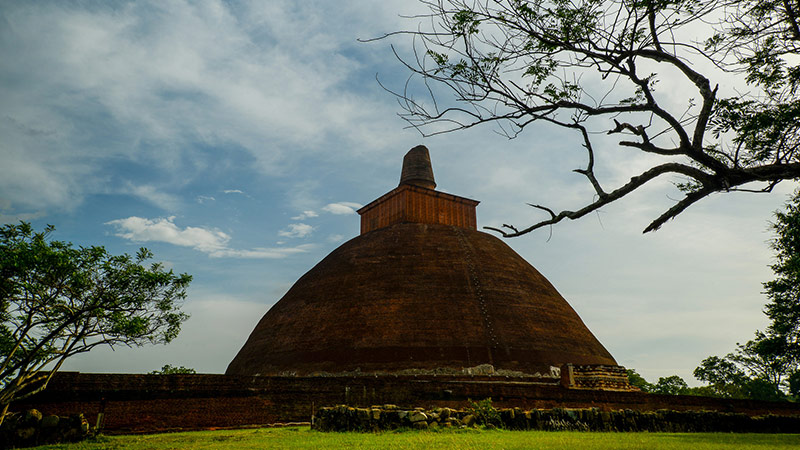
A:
515	63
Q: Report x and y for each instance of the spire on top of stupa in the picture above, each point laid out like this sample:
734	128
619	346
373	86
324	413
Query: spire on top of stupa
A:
416	200
417	168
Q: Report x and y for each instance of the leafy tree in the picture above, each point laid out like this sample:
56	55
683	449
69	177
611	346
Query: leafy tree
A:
57	301
593	67
783	308
768	366
724	377
638	381
728	380
671	385
168	369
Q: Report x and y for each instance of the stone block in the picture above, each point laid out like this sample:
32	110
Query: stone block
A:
468	420
417	416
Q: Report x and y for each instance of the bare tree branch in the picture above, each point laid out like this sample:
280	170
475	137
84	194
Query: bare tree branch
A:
514	63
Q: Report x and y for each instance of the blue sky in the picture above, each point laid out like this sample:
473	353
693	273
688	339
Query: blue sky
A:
235	140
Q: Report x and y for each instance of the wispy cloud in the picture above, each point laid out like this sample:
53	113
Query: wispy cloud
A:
205	198
152	195
13	218
342	207
262	253
212	242
233	191
305	215
147	82
296	230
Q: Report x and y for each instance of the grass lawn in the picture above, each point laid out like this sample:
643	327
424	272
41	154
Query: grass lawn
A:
304	438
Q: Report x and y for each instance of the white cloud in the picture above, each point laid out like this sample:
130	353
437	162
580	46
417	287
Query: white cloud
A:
205	198
263	253
305	215
140	229
212	242
297	230
342	207
232	191
335	238
147	82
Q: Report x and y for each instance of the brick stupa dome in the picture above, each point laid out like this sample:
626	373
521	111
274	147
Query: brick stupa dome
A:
420	288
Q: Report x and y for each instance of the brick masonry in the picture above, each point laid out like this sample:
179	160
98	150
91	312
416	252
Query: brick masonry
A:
134	403
414	204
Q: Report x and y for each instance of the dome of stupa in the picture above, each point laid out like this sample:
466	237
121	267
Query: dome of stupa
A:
420	288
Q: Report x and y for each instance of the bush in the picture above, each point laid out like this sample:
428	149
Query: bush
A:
485	413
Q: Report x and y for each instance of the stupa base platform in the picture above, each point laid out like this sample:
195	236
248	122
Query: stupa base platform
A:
156	403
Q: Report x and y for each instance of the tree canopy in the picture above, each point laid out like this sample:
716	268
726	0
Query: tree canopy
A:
169	369
593	67
57	301
768	366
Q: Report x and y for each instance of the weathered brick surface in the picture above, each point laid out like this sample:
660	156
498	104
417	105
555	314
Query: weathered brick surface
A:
419	296
148	403
415	204
596	377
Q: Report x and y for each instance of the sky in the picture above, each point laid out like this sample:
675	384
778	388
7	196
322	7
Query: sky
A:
236	140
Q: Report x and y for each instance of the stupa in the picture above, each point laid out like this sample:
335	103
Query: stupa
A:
421	288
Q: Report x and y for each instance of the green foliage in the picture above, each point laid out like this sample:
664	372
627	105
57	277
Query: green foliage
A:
57	301
592	67
638	381
767	366
724	377
168	369
485	413
671	385
783	292
465	22
794	384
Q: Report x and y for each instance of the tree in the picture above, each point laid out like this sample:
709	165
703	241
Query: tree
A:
728	380
169	369
638	381
768	366
592	67
783	308
671	385
57	301
724	377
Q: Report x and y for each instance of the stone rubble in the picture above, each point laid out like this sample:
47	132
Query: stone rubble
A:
391	417
30	428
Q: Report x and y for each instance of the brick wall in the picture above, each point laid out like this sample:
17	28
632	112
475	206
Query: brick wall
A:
408	203
147	403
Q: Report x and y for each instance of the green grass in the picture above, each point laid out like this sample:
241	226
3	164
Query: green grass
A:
303	438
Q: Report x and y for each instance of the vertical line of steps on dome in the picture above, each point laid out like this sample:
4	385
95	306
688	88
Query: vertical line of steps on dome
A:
476	282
